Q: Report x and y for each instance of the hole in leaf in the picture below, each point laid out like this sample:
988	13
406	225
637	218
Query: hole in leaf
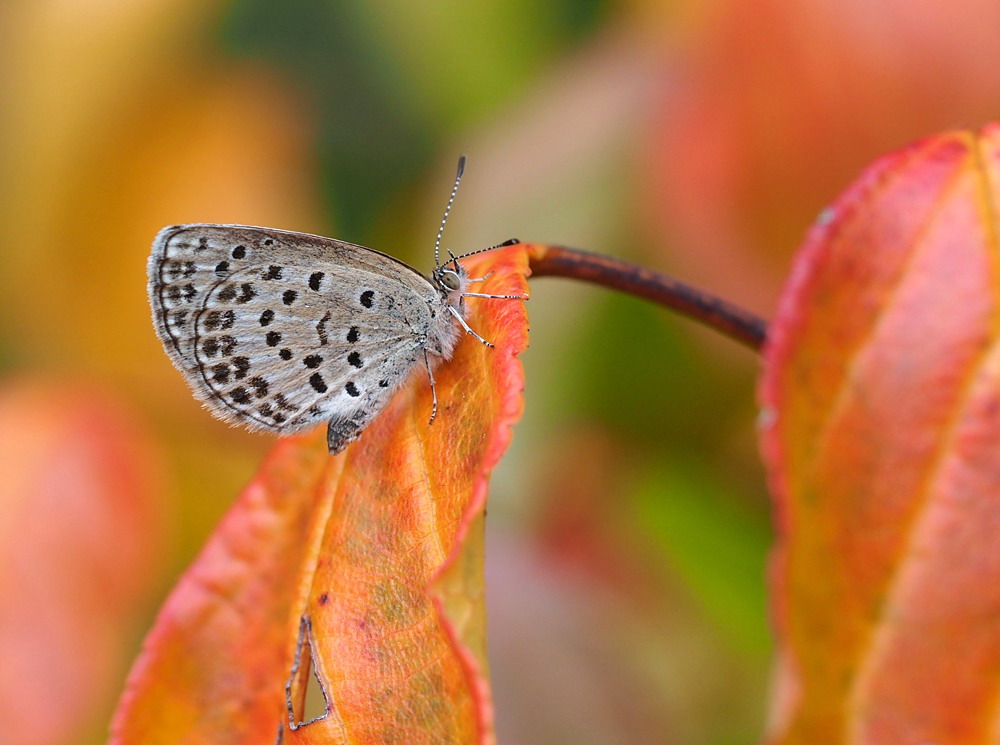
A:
315	706
305	695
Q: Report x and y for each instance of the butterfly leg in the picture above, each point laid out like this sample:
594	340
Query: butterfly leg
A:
434	395
465	326
485	277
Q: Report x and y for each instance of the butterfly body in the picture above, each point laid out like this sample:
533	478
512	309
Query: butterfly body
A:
281	331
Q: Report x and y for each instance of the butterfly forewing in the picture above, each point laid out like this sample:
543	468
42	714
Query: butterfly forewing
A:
284	330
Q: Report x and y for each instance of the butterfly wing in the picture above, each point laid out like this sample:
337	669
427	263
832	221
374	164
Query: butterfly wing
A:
282	330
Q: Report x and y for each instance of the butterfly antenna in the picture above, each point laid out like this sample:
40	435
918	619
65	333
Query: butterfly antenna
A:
451	199
511	242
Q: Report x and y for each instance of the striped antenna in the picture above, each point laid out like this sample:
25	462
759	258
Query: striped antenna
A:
509	242
451	199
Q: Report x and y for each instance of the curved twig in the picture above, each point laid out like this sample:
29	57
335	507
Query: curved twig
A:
735	322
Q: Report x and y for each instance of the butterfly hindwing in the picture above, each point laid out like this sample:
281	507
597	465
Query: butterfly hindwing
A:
283	330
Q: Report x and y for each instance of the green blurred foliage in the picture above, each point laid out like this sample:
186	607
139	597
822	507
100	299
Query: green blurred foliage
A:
716	545
641	374
388	81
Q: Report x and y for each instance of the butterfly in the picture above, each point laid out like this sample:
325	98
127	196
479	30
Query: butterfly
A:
280	331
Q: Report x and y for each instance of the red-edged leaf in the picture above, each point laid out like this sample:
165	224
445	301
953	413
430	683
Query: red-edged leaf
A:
881	431
366	567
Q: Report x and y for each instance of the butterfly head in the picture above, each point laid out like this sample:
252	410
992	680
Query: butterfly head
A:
450	278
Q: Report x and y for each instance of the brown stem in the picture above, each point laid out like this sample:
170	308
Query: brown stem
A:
739	324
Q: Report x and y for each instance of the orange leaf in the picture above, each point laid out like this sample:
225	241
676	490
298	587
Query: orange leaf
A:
881	431
375	556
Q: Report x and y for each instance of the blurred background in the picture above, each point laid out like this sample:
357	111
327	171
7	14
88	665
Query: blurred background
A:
629	523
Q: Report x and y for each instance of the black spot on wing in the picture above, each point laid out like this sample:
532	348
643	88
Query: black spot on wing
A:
324	338
247	293
282	403
240	395
218	319
260	386
241	365
317	382
226	345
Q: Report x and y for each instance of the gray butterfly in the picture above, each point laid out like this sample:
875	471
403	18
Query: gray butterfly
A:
281	331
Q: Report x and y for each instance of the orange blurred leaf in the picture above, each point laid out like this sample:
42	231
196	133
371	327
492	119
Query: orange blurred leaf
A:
881	431
375	556
79	529
777	104
153	130
158	127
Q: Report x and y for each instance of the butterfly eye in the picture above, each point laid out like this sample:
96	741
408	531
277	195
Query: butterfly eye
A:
450	279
